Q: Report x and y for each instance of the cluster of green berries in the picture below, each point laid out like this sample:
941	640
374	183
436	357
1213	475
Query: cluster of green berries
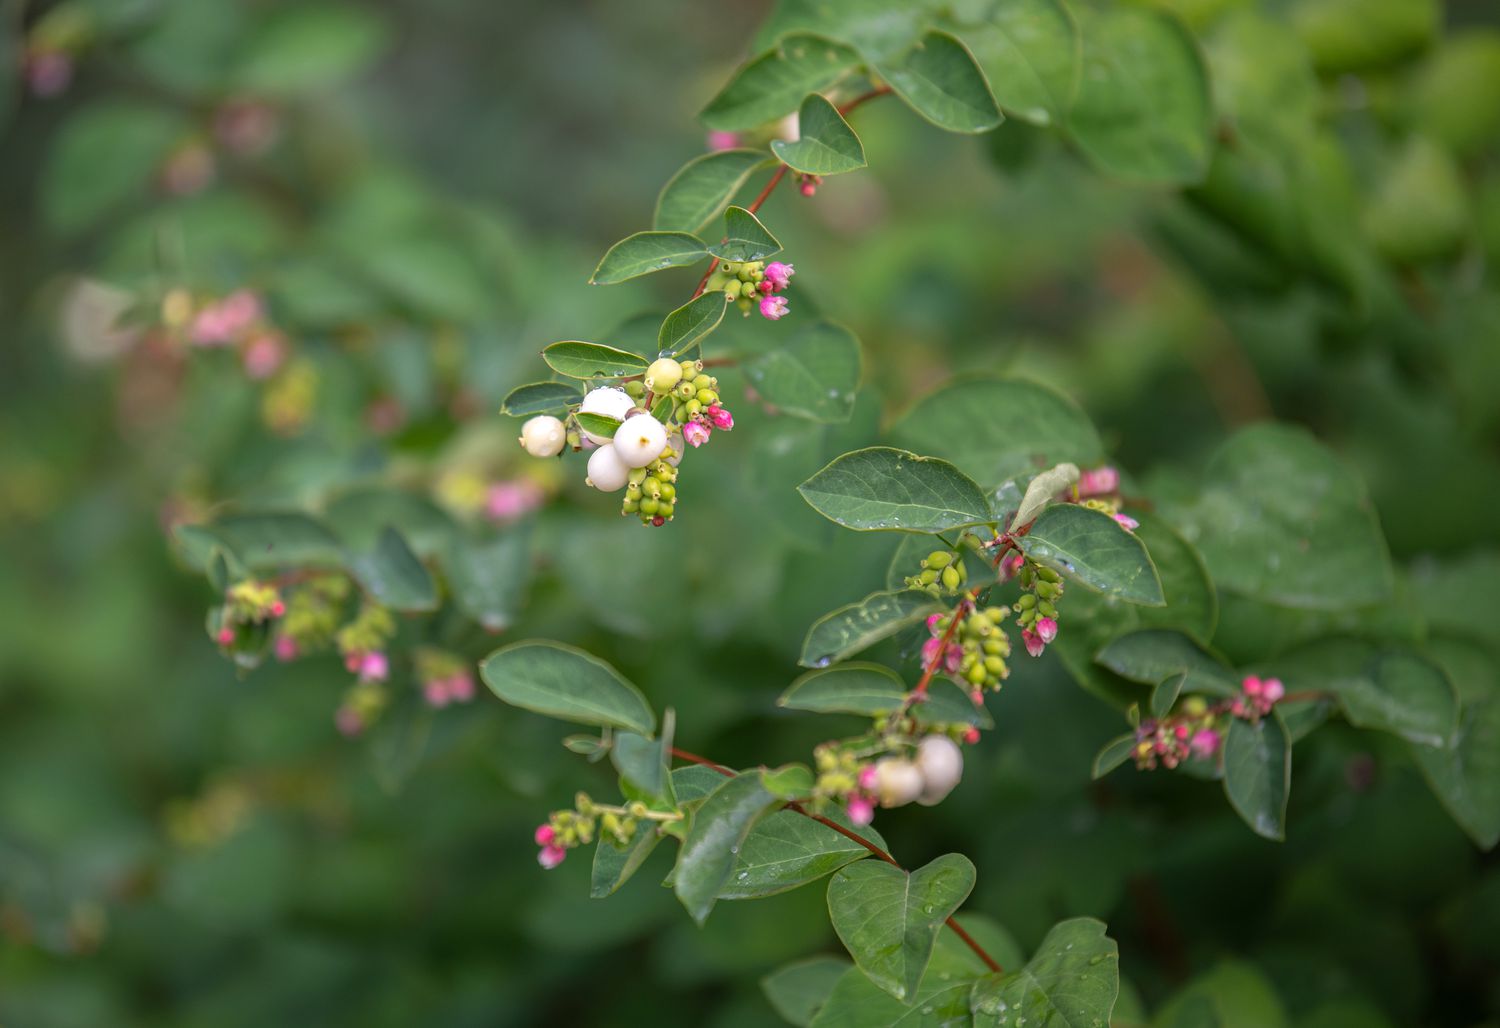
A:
651	492
367	632
313	612
739	281
983	647
943	574
1036	610
691	389
838	771
569	829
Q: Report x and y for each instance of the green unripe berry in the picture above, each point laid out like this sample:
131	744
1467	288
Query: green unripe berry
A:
663	375
976	674
938	559
732	289
1047	609
707	396
690	369
630	506
636	476
632	492
951	577
1026	602
746	273
668	491
685	390
635	388
692	407
665	509
650	505
994	665
652	488
994	647
728	268
927	577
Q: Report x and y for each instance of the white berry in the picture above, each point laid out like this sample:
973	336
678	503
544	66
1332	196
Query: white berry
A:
662	375
609	401
942	765
640	440
897	781
543	436
607	472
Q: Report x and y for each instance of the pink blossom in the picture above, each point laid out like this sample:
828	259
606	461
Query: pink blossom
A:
932	623
696	432
868	776
506	501
773	308
1205	743
719	417
461	687
1010	566
551	856
286	648
971	735
1099	482
808	188
976	697
1127	522
435	692
263	355
1034	644
1046	629
348	721
723	140
765	287
373	666
545	835
226	637
932	650
779	275
1252	685
1272	690
861	810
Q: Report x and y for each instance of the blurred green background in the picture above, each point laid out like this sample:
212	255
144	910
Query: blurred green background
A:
182	845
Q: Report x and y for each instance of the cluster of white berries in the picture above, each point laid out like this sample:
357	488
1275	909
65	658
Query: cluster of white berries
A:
928	779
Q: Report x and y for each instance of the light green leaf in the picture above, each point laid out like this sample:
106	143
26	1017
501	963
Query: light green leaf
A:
885	489
1090	547
1282	520
489	576
745	238
998	429
849	629
393	575
309	46
798	991
774	82
1030	52
790	781
703	187
1258	773
600	424
1419	210
645	763
1073	979
718	831
1113	754
540	398
592	360
856	688
825	144
947	703
876	30
889	919
939	79
788	850
688	324
1143	111
104	157
566	683
646	252
814	375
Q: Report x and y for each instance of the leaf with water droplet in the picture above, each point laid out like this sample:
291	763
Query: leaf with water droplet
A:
1072	978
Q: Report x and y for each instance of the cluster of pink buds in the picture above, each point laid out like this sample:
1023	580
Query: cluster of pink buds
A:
237	320
48	72
248	606
445	677
1259	696
699	427
808	185
753	284
1037	608
1192	731
551	853
373	666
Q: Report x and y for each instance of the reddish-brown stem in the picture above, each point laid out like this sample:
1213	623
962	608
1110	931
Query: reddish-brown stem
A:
849	105
770	188
920	689
958	930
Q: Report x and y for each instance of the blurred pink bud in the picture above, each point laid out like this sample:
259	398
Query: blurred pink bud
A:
808	188
226	637
435	692
48	72
723	140
1010	566
719	417
1034	644
1099	482
461	688
1252	685
544	834
868	776
278	609
348	721
1205	742
971	735
1127	522
861	810
551	856
263	355
773	308
696	432
373	666
506	501
932	623
1046	629
1272	690
286	648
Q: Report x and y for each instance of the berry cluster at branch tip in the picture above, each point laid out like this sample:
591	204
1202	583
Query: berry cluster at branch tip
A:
753	285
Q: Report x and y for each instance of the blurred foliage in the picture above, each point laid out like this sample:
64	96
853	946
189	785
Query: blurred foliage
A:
417	190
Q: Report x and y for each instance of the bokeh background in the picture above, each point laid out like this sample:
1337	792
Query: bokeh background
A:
419	188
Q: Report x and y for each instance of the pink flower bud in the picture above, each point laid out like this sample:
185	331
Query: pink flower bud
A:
719	417
779	275
932	651
351	662
861	810
506	501
1127	522
867	777
461	688
696	432
1046	629
373	667
1205	742
808	188
1272	690
773	308
1010	566
544	834
932	623
1099	482
1182	732
348	721
278	609
1034	644
435	692
1251	685
48	72
971	735
286	648
765	287
264	355
551	856
225	637
723	140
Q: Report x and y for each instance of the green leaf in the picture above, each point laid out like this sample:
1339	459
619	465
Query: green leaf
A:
688	324
718	831
1073	979
540	398
488	577
1113	754
393	575
788	850
745	238
1385	687
939	79
601	424
889	919
646	252
592	360
798	991
361	514
885	489
1419	210
703	187
849	629
825	144
264	542
999	429
1090	547
566	683
947	703
857	688
103	158
1466	775
774	82
1030	52
1282	520
646	763
1143	111
1153	655
1258	773
1358	35
1041	491
814	374
309	46
876	30
613	866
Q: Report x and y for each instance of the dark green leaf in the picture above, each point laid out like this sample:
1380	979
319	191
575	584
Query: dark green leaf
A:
773	83
592	360
718	831
947	703
1113	754
102	158
798	991
825	144
540	398
1090	547
309	46
613	865
566	683
885	489
1466	775
940	80
745	238
689	323
646	252
1152	655
263	542
889	919
1030	52
645	763
1072	979
788	850
857	688
704	186
488	577
392	574
1258	773
1164	696
846	631
814	375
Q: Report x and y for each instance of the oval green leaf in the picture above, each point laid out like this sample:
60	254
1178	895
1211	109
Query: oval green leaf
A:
940	80
1090	547
646	252
1258	773
849	629
814	375
592	360
885	489
745	238
826	145
566	683
774	82
703	187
